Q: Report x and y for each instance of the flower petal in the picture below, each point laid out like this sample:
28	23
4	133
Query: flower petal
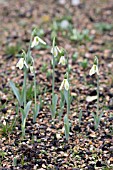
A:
62	60
54	51
93	70
20	63
41	41
31	69
66	84
35	42
61	86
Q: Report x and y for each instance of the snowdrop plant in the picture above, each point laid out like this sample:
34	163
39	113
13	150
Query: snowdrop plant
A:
65	87
36	41
95	70
62	103
21	97
67	126
36	109
55	51
26	62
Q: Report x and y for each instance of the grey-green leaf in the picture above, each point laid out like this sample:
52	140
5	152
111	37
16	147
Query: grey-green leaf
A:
27	108
16	92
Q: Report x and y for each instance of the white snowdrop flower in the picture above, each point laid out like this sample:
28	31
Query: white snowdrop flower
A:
64	84
4	123
54	51
62	60
20	63
31	69
94	70
36	41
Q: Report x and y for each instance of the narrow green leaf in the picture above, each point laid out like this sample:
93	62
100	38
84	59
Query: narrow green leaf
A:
80	116
67	126
100	116
66	95
23	114
36	112
27	108
54	102
16	92
66	131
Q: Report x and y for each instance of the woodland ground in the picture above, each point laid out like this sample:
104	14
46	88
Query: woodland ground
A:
42	148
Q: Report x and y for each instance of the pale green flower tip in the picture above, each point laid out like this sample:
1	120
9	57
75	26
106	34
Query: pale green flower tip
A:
23	53
96	60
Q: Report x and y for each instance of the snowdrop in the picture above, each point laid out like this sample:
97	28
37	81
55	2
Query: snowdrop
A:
55	50
21	63
36	41
97	116
31	69
94	68
62	60
64	84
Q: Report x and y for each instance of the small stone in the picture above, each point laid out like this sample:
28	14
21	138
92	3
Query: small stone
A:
75	2
64	24
58	136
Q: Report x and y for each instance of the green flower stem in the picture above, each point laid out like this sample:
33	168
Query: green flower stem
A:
53	80
24	86
23	131
68	104
35	94
25	71
68	107
23	128
97	94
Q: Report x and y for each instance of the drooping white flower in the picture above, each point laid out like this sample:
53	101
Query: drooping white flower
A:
25	64
62	60
36	41
55	50
31	69
21	63
64	84
94	70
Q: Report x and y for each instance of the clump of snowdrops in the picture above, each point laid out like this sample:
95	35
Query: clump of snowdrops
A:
26	62
59	56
